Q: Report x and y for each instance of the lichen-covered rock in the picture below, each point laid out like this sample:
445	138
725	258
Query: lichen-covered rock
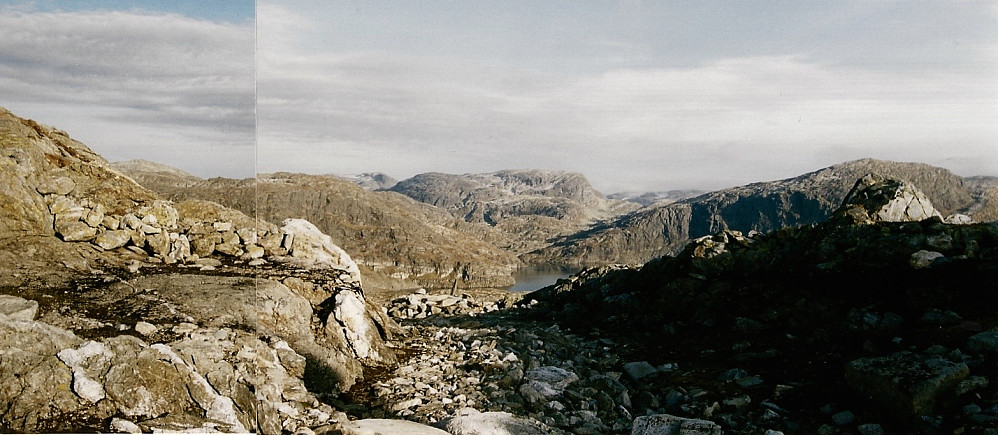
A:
35	387
57	185
161	213
75	231
40	161
215	379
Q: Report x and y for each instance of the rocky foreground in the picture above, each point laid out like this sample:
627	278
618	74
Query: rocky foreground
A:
120	311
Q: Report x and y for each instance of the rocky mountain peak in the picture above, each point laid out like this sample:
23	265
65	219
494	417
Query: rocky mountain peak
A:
531	206
371	180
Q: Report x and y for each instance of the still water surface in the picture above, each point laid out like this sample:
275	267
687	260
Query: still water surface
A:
533	278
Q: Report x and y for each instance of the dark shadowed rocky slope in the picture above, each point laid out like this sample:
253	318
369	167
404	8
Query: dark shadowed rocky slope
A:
804	200
882	315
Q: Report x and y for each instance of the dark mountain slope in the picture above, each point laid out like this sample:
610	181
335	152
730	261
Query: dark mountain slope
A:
884	319
804	200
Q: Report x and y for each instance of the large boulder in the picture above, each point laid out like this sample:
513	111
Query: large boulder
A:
256	304
905	385
379	426
876	198
470	421
309	246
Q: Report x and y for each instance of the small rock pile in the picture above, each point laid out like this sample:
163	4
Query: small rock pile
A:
156	230
420	304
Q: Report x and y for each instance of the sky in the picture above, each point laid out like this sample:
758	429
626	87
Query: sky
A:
167	81
637	95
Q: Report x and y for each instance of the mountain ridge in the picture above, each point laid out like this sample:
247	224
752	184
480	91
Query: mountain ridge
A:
663	229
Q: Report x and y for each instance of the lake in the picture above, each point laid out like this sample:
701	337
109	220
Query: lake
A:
532	278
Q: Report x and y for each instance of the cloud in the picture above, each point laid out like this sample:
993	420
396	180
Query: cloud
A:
176	87
404	114
632	123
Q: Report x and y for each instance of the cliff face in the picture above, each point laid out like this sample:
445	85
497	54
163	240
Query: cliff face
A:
804	200
385	232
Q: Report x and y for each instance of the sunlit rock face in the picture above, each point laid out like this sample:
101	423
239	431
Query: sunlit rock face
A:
876	198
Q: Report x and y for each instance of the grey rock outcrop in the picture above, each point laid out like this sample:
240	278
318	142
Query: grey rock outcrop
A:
906	296
40	164
876	198
205	349
349	335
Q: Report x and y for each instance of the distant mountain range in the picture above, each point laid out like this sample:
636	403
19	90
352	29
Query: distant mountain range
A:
434	229
529	206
